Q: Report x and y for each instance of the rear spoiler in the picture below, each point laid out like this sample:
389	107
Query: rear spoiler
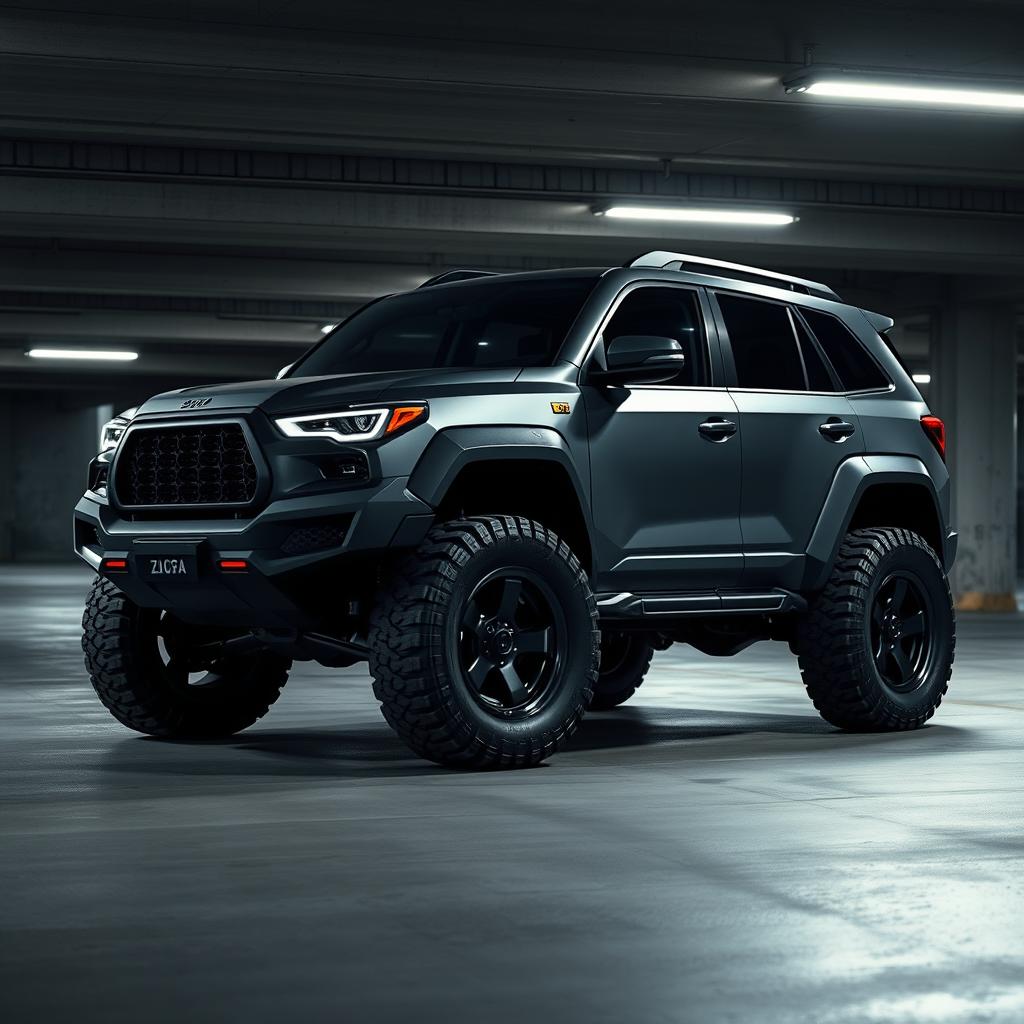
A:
879	321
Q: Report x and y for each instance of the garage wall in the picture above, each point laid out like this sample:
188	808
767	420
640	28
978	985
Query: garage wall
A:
47	443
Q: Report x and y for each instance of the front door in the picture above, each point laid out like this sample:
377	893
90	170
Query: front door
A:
665	459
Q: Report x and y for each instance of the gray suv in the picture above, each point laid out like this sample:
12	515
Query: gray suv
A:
507	491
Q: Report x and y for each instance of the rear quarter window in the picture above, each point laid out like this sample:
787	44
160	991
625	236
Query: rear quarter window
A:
857	370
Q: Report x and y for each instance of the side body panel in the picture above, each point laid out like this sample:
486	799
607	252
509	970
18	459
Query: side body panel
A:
665	499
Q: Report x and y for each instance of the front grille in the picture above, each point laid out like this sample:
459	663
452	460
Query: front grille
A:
194	465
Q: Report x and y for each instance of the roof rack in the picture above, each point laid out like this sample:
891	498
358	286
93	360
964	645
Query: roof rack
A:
719	268
457	275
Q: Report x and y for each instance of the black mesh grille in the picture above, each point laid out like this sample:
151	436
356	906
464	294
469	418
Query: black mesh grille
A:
315	538
197	465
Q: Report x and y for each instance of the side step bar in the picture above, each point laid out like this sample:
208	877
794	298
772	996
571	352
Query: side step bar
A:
703	602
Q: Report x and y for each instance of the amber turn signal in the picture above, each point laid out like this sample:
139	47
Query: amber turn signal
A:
404	416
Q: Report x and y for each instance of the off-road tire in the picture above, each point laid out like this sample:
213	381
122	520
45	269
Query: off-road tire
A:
414	659
834	640
128	676
625	659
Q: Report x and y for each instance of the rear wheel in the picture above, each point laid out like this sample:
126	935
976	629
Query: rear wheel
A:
876	646
625	659
163	677
484	647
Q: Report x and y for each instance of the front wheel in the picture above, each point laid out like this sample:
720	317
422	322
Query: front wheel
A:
159	676
484	646
876	645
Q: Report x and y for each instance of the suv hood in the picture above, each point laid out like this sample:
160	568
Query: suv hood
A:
324	394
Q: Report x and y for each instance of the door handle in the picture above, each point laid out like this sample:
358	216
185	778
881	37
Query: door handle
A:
836	430
716	428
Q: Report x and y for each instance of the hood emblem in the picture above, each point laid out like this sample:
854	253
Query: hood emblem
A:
195	403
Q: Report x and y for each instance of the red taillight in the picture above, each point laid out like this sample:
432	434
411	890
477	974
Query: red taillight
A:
233	565
115	565
936	431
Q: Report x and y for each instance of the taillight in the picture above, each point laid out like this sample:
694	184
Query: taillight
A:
936	431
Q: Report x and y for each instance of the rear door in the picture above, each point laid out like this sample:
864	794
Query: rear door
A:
795	430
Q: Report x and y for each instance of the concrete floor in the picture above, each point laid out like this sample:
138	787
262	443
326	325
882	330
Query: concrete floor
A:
713	852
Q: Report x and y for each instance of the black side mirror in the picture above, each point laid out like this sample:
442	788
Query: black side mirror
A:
640	359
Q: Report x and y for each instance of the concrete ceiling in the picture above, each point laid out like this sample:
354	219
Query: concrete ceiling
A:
196	178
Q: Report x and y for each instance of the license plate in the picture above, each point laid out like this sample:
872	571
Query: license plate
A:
167	567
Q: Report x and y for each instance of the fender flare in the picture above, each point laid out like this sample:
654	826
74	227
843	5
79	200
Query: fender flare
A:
450	451
853	478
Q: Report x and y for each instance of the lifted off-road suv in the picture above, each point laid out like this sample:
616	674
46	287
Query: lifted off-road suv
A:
507	491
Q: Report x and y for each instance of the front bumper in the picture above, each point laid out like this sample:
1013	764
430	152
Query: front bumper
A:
341	525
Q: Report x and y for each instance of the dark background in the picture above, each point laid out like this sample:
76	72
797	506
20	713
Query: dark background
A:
209	183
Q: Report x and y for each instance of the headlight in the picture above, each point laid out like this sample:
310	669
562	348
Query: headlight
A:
354	424
110	433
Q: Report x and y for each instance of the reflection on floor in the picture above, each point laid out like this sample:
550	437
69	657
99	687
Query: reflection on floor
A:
712	851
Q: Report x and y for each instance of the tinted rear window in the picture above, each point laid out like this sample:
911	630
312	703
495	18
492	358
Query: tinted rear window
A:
856	369
764	346
493	323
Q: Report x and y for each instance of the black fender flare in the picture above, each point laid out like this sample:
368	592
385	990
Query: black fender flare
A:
450	451
853	478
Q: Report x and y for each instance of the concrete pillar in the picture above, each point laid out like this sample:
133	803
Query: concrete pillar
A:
7	511
974	389
47	443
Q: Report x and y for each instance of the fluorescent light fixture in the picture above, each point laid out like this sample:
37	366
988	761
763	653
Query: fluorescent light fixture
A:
696	215
327	328
90	354
922	378
906	89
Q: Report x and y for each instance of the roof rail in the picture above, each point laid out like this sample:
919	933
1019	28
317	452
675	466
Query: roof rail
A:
449	277
719	268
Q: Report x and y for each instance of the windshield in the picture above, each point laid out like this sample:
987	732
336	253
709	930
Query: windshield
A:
494	322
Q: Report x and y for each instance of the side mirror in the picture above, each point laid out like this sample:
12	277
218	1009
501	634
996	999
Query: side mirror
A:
283	371
641	359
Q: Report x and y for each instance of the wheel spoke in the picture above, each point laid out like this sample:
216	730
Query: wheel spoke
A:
511	590
902	662
177	669
516	688
899	595
535	641
471	616
877	613
881	658
914	625
478	672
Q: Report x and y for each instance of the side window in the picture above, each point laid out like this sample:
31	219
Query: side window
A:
764	347
666	313
856	369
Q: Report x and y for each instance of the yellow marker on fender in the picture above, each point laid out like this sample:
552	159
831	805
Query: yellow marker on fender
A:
562	407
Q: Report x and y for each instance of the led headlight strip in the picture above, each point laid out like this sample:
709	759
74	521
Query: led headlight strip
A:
353	424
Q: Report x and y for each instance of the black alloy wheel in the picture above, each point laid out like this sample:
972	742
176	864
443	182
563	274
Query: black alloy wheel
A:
901	641
510	632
